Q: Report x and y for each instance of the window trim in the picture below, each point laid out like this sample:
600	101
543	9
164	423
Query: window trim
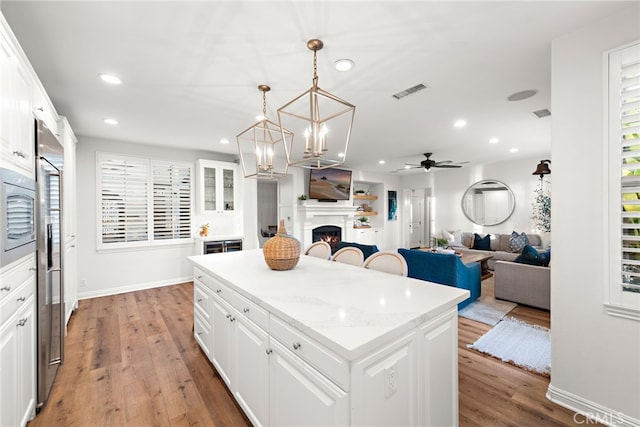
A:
617	302
150	242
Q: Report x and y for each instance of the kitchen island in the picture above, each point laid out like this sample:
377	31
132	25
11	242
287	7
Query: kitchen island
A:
328	343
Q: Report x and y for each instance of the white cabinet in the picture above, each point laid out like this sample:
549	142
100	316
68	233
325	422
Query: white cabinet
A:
252	370
217	187
368	236
300	395
69	215
43	110
281	375
17	343
16	116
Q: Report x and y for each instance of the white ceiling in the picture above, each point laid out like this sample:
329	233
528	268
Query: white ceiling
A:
190	70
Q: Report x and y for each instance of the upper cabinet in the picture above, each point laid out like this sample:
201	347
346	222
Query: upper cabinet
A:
217	187
16	115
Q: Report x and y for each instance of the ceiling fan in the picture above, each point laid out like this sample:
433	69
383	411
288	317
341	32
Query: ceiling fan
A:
427	163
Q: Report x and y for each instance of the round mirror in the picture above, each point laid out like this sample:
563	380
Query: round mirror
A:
488	202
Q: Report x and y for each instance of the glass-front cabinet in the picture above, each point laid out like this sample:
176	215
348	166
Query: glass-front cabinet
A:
217	186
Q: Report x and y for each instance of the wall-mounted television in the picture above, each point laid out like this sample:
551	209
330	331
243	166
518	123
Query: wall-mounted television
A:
330	184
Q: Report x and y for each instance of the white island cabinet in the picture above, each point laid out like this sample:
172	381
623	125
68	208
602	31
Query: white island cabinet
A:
327	343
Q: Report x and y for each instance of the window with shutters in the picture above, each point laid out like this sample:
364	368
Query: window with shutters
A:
623	292
142	201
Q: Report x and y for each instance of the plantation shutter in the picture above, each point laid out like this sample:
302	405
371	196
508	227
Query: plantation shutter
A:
171	201
123	199
625	92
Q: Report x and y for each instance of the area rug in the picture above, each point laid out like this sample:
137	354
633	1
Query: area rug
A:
519	343
487	310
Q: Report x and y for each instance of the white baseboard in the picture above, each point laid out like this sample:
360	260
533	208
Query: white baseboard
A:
587	412
131	288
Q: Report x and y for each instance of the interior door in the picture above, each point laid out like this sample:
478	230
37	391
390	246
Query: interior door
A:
417	218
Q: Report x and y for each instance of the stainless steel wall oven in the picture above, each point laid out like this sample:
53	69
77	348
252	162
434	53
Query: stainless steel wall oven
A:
17	216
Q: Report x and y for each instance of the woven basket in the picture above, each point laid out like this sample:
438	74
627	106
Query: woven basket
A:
281	252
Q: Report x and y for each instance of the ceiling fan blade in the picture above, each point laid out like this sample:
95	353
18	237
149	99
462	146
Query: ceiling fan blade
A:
443	162
446	166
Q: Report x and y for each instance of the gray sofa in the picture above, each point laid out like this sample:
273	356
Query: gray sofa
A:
523	284
499	245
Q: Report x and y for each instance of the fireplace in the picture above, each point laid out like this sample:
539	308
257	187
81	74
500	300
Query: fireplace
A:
327	233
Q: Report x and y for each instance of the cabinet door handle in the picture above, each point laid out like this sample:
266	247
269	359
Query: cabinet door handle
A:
22	299
33	269
198	277
199	299
22	321
5	288
199	332
40	109
228	316
268	351
296	345
218	291
245	311
19	154
233	319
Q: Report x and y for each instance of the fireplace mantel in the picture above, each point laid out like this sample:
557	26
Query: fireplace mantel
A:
315	215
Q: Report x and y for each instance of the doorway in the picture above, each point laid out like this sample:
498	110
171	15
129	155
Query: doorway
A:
417	219
267	210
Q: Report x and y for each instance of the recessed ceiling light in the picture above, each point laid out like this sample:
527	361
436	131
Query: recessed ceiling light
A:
519	96
111	79
513	150
344	64
494	141
460	123
109	121
407	167
224	141
381	162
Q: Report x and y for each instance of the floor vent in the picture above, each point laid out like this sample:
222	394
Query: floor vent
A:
542	113
409	91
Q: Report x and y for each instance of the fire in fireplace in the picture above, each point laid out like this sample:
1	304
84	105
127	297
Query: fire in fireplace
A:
327	233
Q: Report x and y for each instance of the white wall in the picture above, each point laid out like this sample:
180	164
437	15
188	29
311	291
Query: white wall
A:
448	186
595	357
120	271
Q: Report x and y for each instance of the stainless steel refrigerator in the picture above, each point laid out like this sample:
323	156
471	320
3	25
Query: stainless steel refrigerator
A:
50	284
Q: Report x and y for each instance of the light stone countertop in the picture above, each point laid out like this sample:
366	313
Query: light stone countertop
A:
350	310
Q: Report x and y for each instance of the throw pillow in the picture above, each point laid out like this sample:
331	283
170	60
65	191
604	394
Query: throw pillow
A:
481	243
517	242
531	256
457	238
447	235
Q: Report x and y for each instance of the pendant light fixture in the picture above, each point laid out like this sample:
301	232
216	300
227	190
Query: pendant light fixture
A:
321	121
262	146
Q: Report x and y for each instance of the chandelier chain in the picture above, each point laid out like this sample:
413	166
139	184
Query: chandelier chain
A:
264	105
315	68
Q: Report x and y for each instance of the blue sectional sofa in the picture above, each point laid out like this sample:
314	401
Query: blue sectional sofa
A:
446	269
367	250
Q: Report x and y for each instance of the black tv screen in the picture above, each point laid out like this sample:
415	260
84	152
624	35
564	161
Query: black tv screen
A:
330	184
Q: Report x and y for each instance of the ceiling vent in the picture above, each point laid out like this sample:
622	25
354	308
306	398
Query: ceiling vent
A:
409	91
542	113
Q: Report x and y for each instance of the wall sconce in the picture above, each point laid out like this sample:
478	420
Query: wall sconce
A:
322	119
262	146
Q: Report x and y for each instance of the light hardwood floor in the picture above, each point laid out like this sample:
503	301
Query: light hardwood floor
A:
131	360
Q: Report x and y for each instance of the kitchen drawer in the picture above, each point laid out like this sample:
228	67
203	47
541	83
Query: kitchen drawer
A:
317	355
223	291
202	334
16	275
17	298
252	311
202	277
201	300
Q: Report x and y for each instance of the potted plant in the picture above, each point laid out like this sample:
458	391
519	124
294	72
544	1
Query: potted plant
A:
362	221
302	198
440	242
541	214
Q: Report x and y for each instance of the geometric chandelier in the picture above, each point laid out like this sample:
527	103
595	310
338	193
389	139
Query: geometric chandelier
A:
262	146
320	121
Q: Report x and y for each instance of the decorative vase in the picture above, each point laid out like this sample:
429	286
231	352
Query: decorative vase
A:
281	252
